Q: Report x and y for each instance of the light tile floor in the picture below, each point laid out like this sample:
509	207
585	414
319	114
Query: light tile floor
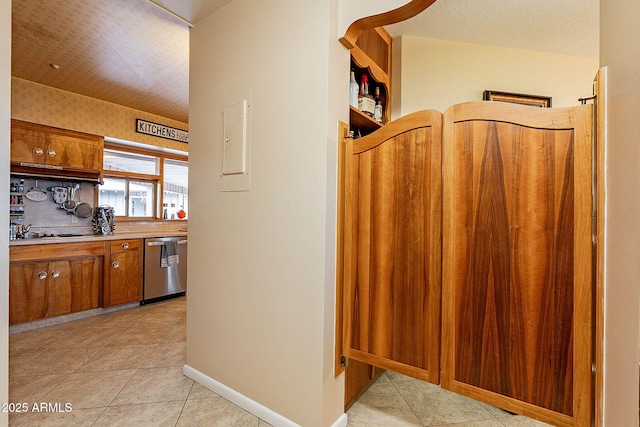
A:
117	369
399	401
125	369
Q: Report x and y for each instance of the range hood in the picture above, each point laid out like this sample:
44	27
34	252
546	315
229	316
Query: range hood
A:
55	172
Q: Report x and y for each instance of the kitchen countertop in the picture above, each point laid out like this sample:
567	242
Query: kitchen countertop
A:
96	237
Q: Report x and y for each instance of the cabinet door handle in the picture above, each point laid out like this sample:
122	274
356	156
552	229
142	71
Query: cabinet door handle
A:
38	151
125	245
51	153
42	275
115	264
55	274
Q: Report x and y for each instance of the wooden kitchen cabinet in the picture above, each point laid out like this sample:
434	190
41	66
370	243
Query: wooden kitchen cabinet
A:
28	295
51	148
124	277
42	286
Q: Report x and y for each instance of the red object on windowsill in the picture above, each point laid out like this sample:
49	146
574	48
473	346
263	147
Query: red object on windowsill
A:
181	214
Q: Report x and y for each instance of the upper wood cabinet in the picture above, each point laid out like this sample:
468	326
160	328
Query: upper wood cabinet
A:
51	149
372	55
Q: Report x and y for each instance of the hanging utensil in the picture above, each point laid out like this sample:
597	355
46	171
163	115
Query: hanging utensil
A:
83	210
69	205
36	194
58	195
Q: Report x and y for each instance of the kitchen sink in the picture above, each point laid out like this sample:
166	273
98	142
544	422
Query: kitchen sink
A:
53	235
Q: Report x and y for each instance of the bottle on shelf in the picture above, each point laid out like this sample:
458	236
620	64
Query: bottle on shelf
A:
353	90
377	111
366	103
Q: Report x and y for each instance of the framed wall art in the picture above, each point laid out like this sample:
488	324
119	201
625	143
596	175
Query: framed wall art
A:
517	98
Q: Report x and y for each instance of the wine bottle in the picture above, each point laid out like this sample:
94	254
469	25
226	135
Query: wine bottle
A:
366	104
353	91
377	111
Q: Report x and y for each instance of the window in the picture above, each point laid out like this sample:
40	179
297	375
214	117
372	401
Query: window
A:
123	161
175	184
142	184
128	197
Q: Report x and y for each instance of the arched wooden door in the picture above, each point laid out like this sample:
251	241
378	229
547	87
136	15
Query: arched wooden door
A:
392	246
517	258
513	211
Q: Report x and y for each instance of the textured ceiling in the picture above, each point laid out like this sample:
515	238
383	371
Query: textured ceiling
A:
132	53
569	27
191	10
127	52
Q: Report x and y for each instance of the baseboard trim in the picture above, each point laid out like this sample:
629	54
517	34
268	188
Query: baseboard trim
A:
260	411
249	405
341	421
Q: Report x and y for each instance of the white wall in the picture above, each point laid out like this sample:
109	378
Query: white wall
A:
619	47
436	74
352	10
262	262
5	135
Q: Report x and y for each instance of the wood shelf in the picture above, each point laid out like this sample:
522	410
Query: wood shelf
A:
362	122
372	56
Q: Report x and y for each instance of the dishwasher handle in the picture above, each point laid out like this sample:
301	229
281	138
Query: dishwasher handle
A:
180	242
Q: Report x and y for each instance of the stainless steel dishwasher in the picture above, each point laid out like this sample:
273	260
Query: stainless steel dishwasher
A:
164	282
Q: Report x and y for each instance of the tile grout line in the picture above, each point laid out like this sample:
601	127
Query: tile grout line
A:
170	326
404	400
184	404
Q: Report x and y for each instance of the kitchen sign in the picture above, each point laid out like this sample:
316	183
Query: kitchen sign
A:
162	131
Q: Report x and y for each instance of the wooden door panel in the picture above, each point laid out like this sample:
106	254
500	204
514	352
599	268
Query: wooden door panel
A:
75	152
126	278
517	258
60	287
520	233
28	294
85	278
392	247
28	145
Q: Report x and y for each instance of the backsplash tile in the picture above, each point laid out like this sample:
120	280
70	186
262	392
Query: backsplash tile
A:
45	216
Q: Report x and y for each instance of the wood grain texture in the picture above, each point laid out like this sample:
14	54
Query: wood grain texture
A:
48	252
517	257
59	147
123	279
28	296
69	285
359	376
343	133
392	247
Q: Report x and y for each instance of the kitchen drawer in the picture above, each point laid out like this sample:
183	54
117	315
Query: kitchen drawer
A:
49	251
126	245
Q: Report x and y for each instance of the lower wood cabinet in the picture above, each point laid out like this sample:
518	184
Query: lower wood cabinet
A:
47	280
45	283
123	282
